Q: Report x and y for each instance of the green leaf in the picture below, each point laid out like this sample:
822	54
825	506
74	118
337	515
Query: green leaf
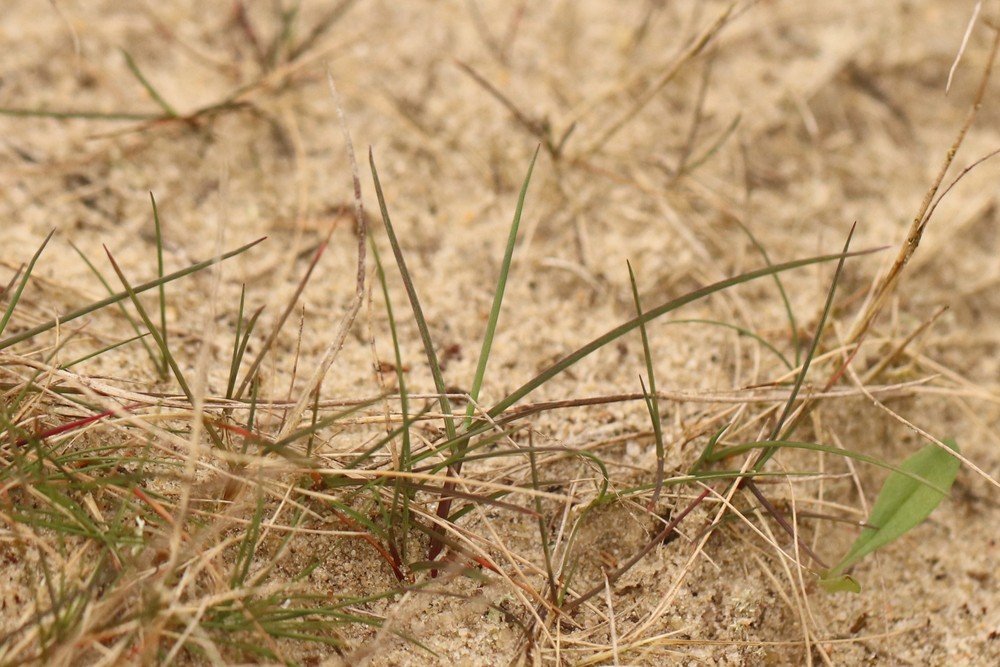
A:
845	583
903	503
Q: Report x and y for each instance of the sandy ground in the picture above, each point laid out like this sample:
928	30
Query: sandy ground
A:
794	121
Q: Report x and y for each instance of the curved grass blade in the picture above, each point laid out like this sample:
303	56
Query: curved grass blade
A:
826	449
792	323
650	315
418	312
147	320
121	307
743	331
169	110
21	285
121	296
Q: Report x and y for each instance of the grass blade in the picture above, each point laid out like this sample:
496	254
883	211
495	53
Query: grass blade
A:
779	426
148	86
418	313
121	296
162	366
276	329
76	115
401	495
160	343
498	294
240	342
652	405
21	285
121	307
792	323
650	315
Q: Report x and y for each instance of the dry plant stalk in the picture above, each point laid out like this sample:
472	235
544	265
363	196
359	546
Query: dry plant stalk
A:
926	210
359	296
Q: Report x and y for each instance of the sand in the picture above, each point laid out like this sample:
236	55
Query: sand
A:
679	137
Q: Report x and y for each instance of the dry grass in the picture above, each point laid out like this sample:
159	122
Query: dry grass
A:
273	473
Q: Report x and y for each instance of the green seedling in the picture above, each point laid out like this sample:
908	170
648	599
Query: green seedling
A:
908	496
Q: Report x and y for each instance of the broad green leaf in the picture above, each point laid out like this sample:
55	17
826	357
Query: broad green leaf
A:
903	503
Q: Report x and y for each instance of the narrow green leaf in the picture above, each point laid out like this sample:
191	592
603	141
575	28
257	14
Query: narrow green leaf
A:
734	450
652	314
160	343
652	405
779	426
418	311
401	494
84	115
498	294
792	323
24	281
120	296
904	502
265	348
148	86
163	366
103	350
121	307
240	341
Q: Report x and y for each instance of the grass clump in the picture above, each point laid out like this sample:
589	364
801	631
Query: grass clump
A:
189	509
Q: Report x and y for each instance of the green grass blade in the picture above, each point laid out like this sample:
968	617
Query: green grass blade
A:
121	296
743	331
148	86
285	314
107	348
240	342
792	322
652	405
21	285
404	399
418	313
234	361
779	426
708	454
121	307
162	366
816	447
904	502
401	495
248	546
160	343
650	315
251	416
76	115
543	530
498	295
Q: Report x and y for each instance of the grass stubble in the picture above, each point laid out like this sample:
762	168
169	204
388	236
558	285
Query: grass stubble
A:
156	525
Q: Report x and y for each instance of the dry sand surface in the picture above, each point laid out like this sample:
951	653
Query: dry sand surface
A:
685	138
